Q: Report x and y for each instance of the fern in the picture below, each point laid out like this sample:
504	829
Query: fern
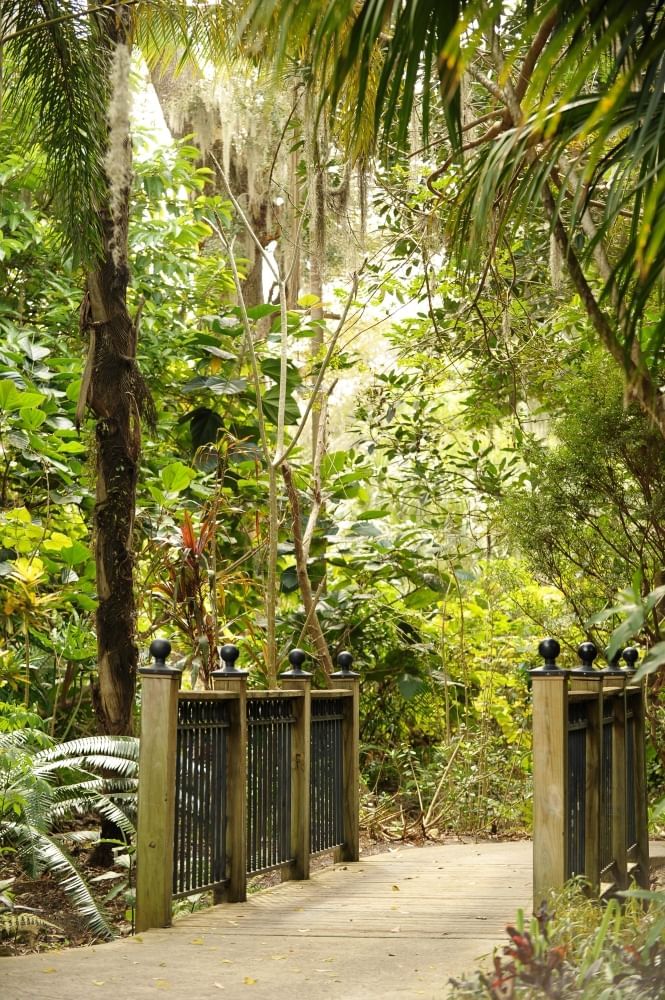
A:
12	924
43	783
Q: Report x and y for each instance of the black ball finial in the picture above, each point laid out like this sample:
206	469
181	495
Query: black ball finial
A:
229	654
630	655
345	662
587	653
297	658
159	650
549	649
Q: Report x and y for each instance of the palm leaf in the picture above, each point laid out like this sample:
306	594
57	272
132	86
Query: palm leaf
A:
52	857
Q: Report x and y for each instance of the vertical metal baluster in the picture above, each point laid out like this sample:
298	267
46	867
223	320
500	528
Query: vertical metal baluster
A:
250	787
327	766
330	782
215	796
276	775
325	778
259	803
257	764
214	792
251	736
177	833
272	776
265	786
196	811
206	736
285	789
202	803
287	778
316	791
224	805
339	837
260	764
288	736
187	799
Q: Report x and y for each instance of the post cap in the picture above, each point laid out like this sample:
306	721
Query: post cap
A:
630	655
159	650
549	649
587	653
345	662
613	669
229	654
296	658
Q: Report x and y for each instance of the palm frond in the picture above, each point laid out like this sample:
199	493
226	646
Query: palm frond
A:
52	857
12	924
55	87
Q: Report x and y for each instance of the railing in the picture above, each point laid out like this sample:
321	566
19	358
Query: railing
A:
590	813
236	782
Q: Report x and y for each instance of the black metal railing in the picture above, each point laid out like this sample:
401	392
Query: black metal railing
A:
227	780
632	805
269	738
590	815
200	795
326	774
578	722
606	856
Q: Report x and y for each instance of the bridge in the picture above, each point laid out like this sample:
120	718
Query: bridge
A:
392	925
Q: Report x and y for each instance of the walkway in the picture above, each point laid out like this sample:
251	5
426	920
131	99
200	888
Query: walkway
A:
396	925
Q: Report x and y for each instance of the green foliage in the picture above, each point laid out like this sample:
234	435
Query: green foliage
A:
577	947
43	784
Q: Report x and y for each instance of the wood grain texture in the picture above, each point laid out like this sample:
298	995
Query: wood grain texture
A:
156	800
550	746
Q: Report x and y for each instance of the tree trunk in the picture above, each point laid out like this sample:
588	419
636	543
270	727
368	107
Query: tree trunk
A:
114	390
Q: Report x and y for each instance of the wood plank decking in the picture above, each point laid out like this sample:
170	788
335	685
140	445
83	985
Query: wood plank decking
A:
394	925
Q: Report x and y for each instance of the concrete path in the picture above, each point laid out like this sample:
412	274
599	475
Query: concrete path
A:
395	925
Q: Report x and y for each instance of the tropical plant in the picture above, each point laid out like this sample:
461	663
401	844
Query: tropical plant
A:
575	947
43	784
566	117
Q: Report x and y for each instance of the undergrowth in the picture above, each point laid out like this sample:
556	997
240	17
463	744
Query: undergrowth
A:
577	948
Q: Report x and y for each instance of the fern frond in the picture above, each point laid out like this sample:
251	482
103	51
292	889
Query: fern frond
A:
12	924
54	858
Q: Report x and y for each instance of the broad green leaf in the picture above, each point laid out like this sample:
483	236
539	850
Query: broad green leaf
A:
31	418
176	477
309	301
270	401
271	368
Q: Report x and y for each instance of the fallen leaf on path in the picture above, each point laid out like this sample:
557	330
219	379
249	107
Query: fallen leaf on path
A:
395	888
98	982
248	981
49	970
162	984
196	941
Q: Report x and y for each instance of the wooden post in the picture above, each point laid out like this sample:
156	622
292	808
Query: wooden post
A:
638	695
297	679
550	773
156	796
349	679
619	785
229	678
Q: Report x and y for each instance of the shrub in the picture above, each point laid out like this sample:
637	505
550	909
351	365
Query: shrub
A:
580	948
43	784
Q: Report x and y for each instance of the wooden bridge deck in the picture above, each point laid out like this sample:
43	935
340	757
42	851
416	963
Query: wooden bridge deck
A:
395	925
